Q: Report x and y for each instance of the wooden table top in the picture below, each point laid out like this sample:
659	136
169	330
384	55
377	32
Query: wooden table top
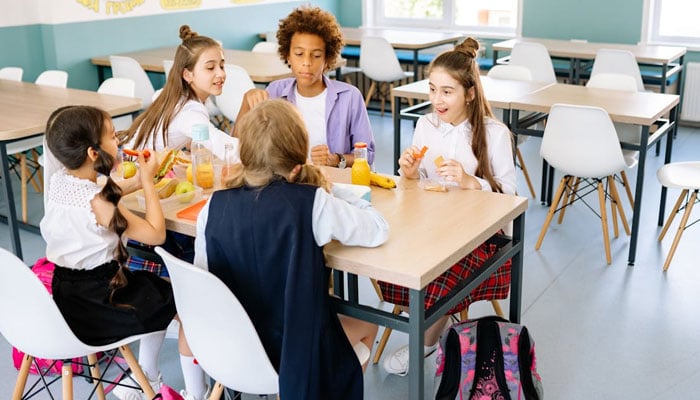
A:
26	106
498	92
652	54
640	108
428	231
401	39
262	67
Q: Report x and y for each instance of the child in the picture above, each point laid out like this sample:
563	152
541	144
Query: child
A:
264	238
197	73
335	114
84	226
477	152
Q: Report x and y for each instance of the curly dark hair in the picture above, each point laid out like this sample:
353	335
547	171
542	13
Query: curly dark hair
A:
313	20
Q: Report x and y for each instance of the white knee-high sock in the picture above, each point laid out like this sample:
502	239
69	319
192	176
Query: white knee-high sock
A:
193	375
149	350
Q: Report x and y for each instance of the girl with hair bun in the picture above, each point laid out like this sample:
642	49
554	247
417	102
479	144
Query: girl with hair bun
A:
264	237
476	153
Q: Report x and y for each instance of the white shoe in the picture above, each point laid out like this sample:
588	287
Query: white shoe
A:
129	393
188	396
397	363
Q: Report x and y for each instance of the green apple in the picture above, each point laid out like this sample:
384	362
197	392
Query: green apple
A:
185	191
128	169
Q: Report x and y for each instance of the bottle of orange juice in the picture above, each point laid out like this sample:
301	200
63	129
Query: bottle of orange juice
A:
360	167
202	167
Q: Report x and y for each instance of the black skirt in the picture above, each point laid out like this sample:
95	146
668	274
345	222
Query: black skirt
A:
145	304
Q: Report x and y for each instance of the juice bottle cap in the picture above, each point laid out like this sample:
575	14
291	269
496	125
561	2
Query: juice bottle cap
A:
360	145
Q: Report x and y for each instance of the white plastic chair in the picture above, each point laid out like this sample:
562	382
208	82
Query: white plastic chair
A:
617	62
379	63
265	47
11	73
516	73
127	67
237	83
31	322
53	77
345	72
535	57
581	142
219	331
684	176
625	132
119	87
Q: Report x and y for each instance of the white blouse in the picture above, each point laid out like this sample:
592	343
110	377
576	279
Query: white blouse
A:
69	227
341	216
455	142
180	131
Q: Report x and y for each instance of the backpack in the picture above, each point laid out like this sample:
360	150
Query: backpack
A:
487	358
43	269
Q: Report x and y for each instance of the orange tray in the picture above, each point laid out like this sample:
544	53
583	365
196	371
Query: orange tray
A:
192	211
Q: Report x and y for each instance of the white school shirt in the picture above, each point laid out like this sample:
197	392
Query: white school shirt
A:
73	237
454	142
313	111
341	216
180	131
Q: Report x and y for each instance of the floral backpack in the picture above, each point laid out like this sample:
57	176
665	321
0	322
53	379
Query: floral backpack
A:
487	359
43	269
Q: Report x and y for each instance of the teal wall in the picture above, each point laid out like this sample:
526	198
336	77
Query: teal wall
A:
70	46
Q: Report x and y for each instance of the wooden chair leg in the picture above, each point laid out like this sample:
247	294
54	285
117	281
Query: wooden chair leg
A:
377	289
95	373
604	220
569	197
22	377
67	381
618	203
137	371
552	209
497	308
382	99
526	175
38	186
673	213
370	92
681	228
613	206
216	391
628	189
385	338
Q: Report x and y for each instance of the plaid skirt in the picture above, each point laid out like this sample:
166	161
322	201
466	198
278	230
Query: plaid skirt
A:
496	287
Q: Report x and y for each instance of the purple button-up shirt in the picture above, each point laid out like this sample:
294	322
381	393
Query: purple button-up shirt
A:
346	116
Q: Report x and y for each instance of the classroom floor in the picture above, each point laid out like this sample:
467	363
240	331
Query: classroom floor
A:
602	331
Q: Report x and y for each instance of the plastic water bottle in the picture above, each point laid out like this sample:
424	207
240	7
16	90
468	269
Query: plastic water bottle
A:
202	167
360	167
229	164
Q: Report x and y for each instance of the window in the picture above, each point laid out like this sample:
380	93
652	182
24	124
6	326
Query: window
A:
495	18
671	22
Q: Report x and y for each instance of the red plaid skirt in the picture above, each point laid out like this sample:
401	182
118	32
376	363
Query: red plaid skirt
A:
496	287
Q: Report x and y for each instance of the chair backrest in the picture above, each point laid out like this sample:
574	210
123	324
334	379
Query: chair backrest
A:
11	73
508	71
617	62
167	66
378	60
535	57
237	83
29	318
581	141
119	87
219	332
127	67
615	81
53	77
265	47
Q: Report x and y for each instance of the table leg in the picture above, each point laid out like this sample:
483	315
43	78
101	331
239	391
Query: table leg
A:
416	340
516	274
644	142
667	159
12	223
397	132
415	65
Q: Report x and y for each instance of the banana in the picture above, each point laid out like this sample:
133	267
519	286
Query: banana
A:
381	181
168	188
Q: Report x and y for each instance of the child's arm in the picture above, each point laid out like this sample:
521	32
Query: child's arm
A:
251	98
151	229
409	162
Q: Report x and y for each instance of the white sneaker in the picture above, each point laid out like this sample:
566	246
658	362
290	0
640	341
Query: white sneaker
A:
397	363
128	393
188	396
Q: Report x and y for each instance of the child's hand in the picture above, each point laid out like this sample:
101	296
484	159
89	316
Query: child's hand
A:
253	97
452	171
148	168
409	163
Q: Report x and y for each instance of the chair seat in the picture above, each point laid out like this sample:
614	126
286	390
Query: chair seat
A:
680	175
24	144
344	71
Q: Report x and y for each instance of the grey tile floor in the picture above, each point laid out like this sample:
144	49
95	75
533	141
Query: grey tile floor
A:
601	331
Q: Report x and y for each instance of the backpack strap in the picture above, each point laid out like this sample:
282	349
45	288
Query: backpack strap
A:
451	375
489	354
525	364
